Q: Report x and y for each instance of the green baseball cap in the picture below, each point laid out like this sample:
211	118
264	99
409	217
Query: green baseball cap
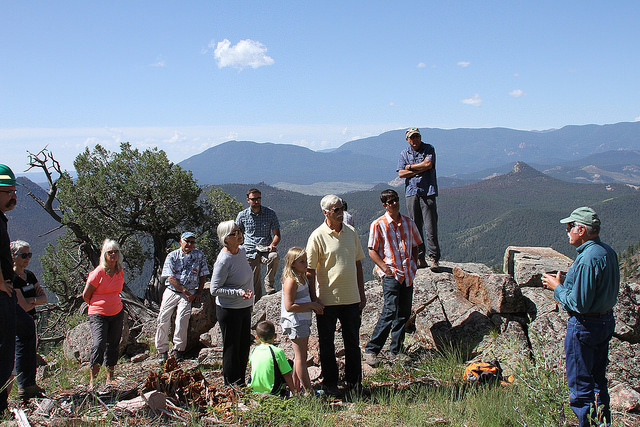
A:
583	215
7	178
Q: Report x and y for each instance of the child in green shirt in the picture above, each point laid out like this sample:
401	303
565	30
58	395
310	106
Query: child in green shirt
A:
264	360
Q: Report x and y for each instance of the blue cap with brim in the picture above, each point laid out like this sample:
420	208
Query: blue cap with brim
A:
186	235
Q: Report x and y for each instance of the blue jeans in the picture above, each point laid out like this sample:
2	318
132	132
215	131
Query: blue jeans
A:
25	348
424	212
395	312
106	332
587	349
349	316
7	343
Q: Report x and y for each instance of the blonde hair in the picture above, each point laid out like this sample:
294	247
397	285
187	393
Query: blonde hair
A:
294	254
108	245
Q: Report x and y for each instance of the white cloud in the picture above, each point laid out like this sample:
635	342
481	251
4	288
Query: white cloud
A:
246	53
475	100
516	74
464	64
392	104
160	62
421	65
517	93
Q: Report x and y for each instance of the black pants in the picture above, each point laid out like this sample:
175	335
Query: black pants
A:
349	316
25	348
235	324
106	332
7	343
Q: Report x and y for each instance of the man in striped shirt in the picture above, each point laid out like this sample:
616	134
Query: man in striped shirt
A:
393	246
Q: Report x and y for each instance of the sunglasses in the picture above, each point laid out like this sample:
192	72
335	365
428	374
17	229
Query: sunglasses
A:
336	210
113	251
190	242
392	201
236	232
254	199
25	256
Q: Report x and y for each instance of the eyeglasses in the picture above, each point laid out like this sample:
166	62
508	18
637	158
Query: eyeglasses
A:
236	232
571	225
25	255
254	199
113	251
190	242
10	192
392	201
336	210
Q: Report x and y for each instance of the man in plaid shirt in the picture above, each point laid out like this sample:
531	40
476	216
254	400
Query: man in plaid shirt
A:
393	246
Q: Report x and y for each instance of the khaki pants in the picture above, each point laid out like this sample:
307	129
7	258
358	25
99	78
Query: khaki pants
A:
272	261
170	301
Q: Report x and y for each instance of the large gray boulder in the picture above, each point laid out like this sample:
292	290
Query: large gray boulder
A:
526	264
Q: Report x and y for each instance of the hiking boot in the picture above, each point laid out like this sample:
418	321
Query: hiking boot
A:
371	359
433	265
30	392
422	263
179	355
162	358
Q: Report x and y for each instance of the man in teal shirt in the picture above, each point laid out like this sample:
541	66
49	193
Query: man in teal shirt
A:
588	293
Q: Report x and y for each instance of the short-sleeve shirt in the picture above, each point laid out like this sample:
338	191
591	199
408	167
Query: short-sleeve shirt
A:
262	369
257	228
425	183
394	242
106	298
187	268
333	256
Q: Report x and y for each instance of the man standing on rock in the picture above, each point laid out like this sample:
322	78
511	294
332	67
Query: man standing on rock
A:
588	293
334	260
186	271
8	299
417	165
261	230
393	246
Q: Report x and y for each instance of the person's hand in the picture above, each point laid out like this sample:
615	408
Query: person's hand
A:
550	282
272	248
246	294
7	287
387	271
318	307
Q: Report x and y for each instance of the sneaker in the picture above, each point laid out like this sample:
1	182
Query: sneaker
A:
422	263
371	359
162	358
179	355
433	265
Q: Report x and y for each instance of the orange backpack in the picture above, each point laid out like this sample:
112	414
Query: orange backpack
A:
485	373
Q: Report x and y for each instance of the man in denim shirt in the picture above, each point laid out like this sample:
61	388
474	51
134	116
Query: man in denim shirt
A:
417	166
186	271
261	230
588	293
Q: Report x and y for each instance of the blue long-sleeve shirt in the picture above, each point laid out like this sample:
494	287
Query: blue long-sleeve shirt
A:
593	280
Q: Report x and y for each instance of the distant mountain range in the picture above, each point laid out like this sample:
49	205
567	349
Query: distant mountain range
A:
588	153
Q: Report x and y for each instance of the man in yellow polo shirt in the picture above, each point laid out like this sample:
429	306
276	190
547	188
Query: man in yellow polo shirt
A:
335	277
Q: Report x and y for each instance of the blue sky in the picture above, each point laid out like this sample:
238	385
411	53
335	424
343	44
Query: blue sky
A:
185	76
